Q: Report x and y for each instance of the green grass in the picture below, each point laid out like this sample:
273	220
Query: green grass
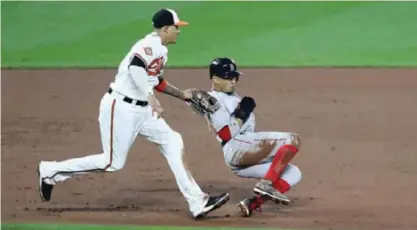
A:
97	34
110	227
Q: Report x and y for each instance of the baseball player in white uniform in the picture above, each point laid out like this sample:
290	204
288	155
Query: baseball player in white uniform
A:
129	109
261	155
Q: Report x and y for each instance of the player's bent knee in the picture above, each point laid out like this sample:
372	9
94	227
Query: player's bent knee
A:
115	166
109	163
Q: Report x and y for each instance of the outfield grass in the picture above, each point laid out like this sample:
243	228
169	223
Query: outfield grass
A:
109	227
97	34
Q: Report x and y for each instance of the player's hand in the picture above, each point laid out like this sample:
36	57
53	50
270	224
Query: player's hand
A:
155	105
187	94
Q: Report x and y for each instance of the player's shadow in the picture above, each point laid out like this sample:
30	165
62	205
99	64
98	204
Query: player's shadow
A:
130	202
237	191
167	198
110	208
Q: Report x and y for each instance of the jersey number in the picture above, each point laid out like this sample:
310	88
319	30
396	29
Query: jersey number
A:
154	68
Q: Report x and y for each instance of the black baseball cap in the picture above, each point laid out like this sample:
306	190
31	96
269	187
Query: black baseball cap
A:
167	17
224	68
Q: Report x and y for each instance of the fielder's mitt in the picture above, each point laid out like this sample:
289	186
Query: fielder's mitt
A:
203	103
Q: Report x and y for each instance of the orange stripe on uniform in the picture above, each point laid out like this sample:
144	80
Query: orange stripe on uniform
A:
111	134
161	86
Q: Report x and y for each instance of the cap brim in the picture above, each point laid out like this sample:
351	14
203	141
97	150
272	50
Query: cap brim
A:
233	74
182	23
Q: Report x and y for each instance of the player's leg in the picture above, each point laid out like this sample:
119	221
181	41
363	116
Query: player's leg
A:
171	145
119	126
286	147
252	148
289	178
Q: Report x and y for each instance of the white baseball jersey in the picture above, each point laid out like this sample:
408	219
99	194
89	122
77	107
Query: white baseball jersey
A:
222	120
236	140
155	55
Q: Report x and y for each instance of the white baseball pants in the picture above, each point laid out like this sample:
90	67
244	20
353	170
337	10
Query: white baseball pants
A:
120	123
249	142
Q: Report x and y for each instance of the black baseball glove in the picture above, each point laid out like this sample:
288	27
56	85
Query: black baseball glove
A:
244	108
203	103
247	104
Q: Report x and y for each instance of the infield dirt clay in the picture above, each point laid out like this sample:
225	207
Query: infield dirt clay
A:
358	155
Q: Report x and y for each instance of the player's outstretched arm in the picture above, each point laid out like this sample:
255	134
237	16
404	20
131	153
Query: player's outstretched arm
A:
165	87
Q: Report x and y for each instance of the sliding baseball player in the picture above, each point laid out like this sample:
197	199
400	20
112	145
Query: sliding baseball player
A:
262	155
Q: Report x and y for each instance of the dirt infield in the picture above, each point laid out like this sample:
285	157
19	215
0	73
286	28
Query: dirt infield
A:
359	154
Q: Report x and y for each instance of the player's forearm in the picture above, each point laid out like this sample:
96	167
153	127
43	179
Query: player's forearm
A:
173	91
166	88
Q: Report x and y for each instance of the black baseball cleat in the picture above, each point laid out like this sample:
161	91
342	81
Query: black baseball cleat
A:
213	203
45	190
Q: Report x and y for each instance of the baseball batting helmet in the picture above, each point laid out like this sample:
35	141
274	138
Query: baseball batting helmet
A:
224	68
